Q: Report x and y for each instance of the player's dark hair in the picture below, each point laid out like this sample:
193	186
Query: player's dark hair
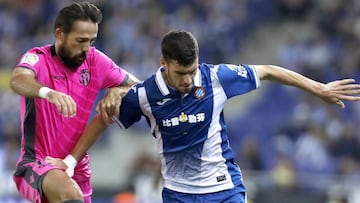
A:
83	11
180	46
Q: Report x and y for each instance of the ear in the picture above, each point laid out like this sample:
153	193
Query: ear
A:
162	62
59	34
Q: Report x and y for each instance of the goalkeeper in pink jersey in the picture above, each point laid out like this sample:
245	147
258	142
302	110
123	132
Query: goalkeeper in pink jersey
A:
58	84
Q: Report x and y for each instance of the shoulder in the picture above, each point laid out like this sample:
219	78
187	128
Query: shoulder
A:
238	69
206	68
40	50
94	52
35	55
148	85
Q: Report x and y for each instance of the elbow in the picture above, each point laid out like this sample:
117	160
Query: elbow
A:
13	84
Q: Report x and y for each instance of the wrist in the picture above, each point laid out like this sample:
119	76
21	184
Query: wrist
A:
43	91
70	161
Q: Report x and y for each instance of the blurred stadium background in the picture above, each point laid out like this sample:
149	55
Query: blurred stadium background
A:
290	146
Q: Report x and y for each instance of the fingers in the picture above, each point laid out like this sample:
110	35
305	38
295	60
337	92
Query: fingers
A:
348	97
109	105
65	104
342	90
48	159
60	163
350	89
56	162
103	111
340	104
343	81
348	92
117	107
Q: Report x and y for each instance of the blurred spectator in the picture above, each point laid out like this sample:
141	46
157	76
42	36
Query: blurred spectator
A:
249	157
283	174
293	9
146	178
9	151
311	154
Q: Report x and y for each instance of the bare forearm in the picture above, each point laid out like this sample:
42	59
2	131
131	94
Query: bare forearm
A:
23	82
288	77
131	80
93	131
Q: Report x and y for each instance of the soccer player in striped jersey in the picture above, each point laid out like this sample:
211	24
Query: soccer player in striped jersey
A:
183	104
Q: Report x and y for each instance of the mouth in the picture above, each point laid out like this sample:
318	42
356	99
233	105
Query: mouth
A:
81	58
187	88
82	55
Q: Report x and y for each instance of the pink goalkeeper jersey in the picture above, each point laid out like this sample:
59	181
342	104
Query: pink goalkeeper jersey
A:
45	132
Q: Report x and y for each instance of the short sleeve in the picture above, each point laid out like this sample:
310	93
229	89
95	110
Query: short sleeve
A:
237	79
113	74
31	60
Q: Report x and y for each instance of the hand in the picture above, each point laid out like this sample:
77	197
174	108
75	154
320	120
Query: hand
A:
64	103
109	105
69	170
337	91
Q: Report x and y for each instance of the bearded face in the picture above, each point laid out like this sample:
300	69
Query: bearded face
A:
70	59
72	47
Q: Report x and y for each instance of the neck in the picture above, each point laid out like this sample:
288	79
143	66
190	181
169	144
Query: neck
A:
167	79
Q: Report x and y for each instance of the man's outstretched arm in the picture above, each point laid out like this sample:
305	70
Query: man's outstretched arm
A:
334	92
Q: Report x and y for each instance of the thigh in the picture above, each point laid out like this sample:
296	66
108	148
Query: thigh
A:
236	198
29	178
57	186
170	196
227	196
42	182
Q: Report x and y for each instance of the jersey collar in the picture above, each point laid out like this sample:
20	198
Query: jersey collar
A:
52	50
160	82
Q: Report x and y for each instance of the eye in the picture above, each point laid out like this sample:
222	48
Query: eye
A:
181	73
81	40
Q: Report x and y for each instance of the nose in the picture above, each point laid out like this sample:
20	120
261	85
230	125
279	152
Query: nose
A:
86	47
187	79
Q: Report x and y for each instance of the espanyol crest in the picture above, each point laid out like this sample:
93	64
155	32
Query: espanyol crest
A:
199	92
85	76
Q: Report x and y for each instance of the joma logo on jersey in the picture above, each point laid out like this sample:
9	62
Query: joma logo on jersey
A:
184	118
162	102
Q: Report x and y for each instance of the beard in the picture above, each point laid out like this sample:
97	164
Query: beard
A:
71	62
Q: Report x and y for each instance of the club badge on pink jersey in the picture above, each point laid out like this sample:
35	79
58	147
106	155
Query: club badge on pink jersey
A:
85	77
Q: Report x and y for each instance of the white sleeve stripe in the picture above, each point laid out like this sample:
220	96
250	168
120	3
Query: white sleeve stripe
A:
118	122
257	79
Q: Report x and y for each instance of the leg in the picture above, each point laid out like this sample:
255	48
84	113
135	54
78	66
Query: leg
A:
234	195
58	187
170	196
38	182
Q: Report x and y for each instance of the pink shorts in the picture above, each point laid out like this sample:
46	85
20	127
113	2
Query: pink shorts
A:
28	178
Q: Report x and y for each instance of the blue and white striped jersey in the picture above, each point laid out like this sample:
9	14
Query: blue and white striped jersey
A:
190	130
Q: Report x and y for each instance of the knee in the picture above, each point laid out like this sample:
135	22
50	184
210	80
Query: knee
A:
71	193
58	187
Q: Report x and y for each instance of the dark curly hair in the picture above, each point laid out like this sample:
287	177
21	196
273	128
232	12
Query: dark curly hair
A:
83	11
